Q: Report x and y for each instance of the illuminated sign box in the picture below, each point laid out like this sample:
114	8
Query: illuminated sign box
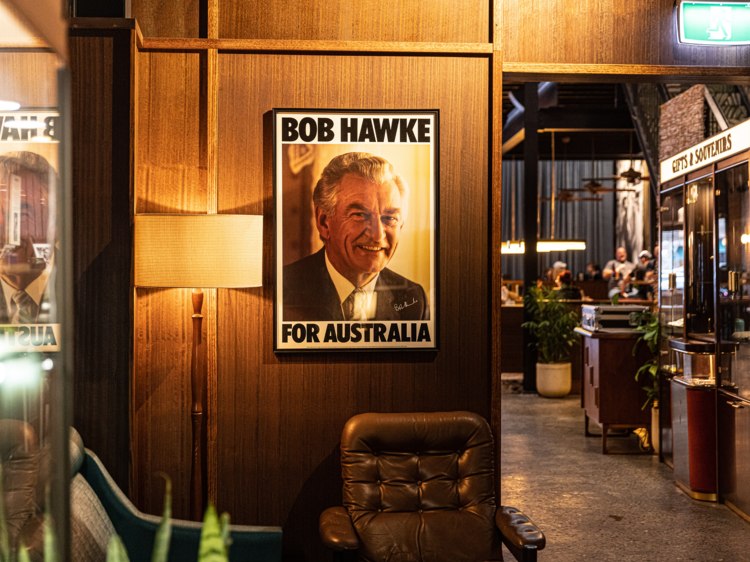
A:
714	23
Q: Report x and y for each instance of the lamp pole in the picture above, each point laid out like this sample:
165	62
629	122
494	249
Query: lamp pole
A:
197	382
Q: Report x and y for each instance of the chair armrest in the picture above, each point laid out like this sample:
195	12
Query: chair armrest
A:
518	530
138	529
336	530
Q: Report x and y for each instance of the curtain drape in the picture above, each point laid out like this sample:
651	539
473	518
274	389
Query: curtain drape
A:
592	221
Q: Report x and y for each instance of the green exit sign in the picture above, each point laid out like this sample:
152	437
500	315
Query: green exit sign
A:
714	23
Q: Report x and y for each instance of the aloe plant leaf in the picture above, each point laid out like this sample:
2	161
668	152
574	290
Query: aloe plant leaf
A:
50	540
116	551
164	532
4	548
225	536
23	553
212	547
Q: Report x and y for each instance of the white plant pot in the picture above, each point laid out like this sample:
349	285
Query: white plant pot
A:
655	429
553	380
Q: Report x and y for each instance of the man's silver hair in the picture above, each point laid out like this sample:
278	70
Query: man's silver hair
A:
364	165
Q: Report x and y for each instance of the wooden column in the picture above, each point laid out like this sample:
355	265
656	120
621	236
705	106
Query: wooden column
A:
496	233
530	205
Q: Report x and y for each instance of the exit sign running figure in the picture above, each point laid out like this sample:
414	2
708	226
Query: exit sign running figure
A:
714	23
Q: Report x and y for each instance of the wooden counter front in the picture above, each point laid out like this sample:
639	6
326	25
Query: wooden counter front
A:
610	395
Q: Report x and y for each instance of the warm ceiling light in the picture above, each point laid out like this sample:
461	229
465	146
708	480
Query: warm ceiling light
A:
512	247
9	105
516	247
30	124
745	238
560	245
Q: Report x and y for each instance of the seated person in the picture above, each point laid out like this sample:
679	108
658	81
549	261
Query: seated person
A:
640	273
565	288
593	272
510	297
616	270
557	268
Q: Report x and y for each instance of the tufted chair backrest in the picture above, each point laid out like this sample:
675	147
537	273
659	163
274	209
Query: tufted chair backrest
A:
420	487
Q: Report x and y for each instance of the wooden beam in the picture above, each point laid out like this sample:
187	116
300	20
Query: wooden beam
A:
618	73
496	234
263	45
212	207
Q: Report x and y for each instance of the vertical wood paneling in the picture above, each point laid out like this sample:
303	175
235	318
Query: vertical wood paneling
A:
280	417
604	32
171	178
171	174
92	113
29	78
101	178
356	20
162	435
167	18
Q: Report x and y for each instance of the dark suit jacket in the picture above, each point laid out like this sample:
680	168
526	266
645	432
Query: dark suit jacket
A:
310	295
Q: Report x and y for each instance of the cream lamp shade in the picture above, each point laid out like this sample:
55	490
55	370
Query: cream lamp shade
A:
222	251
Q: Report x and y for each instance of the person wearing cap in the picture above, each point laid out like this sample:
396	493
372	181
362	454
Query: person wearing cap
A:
557	268
640	273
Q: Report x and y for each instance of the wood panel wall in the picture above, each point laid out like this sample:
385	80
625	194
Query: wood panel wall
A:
356	20
632	32
101	91
289	410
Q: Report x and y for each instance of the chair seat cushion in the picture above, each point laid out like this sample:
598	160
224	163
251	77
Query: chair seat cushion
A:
431	536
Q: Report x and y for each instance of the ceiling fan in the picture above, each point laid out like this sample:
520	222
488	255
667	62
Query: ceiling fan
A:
593	186
568	195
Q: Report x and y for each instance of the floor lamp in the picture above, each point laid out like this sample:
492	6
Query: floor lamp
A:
198	251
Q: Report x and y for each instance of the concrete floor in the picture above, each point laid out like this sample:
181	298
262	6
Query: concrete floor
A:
604	507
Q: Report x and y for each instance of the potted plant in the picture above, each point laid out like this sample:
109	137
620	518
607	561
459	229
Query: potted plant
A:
649	371
552	326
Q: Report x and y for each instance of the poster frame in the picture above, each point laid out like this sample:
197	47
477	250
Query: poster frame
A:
435	194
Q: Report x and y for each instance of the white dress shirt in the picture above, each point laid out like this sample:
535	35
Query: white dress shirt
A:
344	288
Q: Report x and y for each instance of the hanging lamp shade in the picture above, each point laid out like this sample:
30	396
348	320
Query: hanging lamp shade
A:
223	251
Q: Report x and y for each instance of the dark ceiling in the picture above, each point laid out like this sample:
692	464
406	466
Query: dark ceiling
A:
581	106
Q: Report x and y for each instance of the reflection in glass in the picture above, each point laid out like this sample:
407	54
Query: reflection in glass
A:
700	249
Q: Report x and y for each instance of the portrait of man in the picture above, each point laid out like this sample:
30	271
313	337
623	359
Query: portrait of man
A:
27	257
361	206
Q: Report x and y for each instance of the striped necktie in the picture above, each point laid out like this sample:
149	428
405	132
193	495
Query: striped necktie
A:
354	305
25	308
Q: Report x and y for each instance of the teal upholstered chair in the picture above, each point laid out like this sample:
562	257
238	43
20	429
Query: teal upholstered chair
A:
99	509
137	530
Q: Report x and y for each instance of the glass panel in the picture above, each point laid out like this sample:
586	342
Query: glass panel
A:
33	432
671	273
733	214
700	251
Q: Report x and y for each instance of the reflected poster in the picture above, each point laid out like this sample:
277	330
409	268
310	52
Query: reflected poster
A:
28	231
356	230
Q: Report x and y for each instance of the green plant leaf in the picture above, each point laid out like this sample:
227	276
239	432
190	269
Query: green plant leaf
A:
616	299
50	540
164	532
116	551
23	553
4	548
212	547
226	538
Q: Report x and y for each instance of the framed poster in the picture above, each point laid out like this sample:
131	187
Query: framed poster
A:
356	230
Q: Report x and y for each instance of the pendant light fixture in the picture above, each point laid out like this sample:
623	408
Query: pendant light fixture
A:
544	246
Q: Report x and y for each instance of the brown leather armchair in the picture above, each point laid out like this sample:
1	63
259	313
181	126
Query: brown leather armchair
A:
420	488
